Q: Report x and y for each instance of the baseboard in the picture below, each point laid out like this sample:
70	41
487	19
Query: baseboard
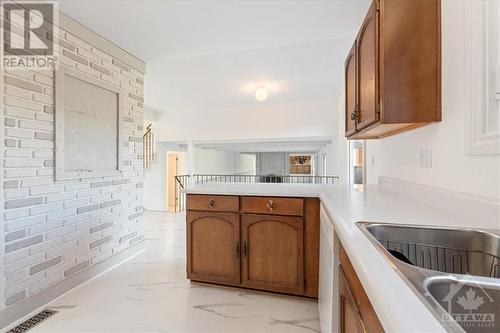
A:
479	208
19	312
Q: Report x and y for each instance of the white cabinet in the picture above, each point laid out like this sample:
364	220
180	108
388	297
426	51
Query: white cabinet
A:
328	272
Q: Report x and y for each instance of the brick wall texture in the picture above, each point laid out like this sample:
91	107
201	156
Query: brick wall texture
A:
273	163
52	230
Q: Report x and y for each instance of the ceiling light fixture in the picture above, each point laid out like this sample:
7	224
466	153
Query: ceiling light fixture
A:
261	94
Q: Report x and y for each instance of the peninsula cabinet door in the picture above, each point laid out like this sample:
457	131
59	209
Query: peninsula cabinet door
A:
350	320
273	253
367	55
213	248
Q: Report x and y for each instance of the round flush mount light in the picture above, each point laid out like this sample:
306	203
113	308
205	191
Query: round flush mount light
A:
261	94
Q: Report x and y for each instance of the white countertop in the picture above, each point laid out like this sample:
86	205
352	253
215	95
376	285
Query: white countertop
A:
397	306
265	189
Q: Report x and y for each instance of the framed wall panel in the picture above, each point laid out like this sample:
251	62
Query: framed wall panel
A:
482	42
88	126
300	164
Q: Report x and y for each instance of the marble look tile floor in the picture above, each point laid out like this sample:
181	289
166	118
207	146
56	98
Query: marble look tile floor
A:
150	293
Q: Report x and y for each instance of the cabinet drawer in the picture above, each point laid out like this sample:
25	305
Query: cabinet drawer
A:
272	205
216	203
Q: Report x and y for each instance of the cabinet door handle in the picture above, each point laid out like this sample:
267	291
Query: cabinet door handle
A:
270	205
237	250
245	248
355	114
211	203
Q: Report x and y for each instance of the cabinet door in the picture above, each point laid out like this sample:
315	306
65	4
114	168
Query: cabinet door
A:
213	248
273	253
351	92
349	318
368	74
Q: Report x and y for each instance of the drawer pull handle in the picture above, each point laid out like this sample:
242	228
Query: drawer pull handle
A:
270	205
211	203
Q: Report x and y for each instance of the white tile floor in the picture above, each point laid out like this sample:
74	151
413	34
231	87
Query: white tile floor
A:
150	293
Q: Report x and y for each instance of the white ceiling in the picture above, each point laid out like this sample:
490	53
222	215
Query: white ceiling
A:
206	58
160	30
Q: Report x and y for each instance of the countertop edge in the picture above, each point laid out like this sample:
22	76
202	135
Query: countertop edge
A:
370	266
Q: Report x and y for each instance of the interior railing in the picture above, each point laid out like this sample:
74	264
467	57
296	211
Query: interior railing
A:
199	179
149	148
182	181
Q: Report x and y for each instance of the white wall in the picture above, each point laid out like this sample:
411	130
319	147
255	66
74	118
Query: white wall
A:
244	164
209	161
333	159
213	96
155	178
398	156
52	231
155	183
336	152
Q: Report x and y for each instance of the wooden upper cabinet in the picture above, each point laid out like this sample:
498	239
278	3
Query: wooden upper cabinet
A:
351	92
398	79
367	57
213	252
273	253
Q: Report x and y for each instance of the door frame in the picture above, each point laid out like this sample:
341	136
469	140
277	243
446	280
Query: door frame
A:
171	182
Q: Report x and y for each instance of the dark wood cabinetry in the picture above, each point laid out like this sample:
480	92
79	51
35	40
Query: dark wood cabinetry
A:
351	92
367	60
214	203
214	245
273	253
265	243
356	312
393	71
274	206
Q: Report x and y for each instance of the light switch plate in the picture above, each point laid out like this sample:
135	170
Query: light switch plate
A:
426	158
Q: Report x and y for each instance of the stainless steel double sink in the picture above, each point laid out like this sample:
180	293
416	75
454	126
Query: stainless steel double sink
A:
456	272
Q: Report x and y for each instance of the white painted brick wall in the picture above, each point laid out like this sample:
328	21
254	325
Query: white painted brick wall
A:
272	163
52	230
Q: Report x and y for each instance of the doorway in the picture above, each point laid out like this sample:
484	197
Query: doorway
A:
172	171
357	164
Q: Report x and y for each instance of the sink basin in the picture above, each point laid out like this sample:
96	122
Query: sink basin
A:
455	272
470	304
457	251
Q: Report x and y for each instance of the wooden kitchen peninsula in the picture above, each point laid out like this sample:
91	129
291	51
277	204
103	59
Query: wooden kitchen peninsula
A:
258	242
